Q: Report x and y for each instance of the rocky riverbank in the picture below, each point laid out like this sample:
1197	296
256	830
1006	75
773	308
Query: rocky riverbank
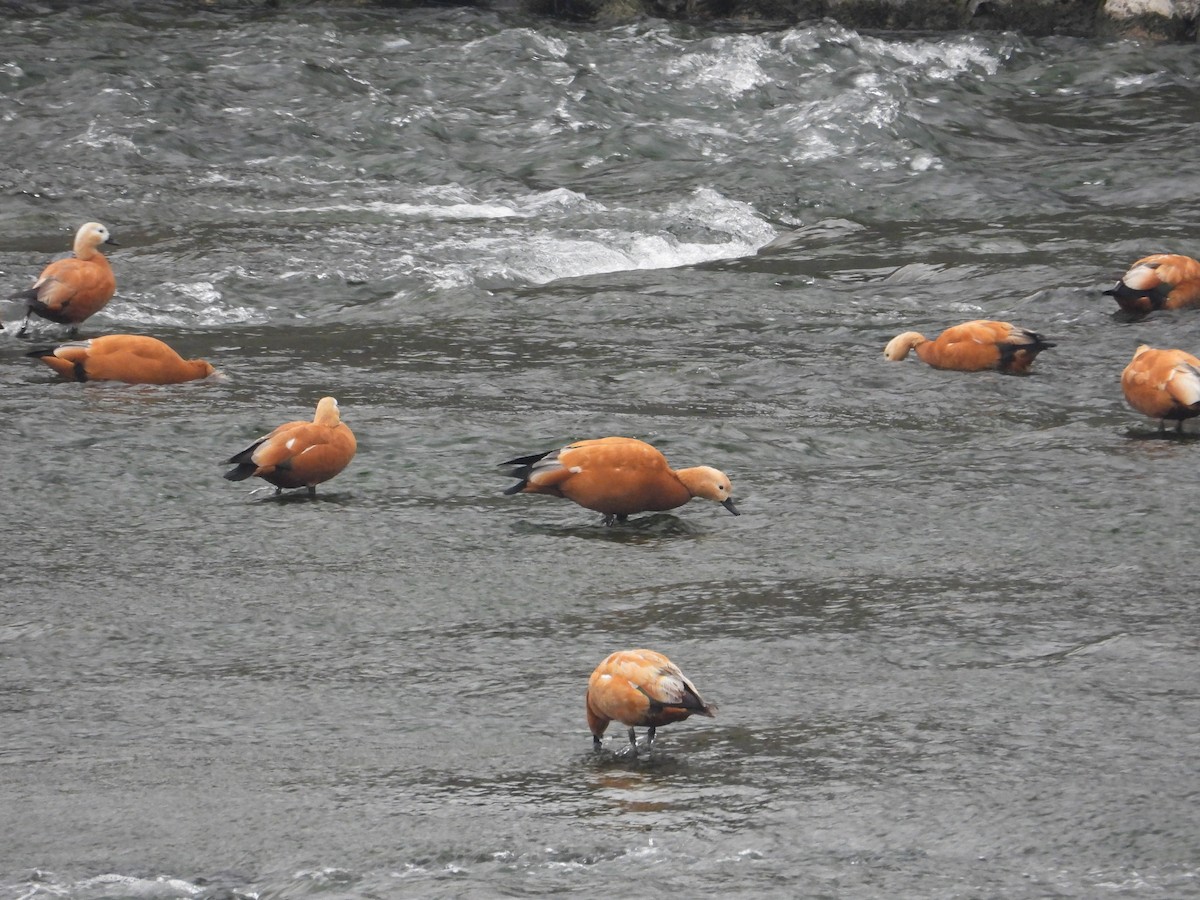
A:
1170	20
1158	20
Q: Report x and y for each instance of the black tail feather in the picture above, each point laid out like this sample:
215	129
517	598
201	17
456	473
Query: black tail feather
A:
523	468
241	472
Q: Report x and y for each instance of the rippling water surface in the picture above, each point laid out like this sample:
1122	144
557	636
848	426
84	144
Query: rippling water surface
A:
953	635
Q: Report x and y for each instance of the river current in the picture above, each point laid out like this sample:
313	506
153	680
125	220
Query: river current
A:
953	634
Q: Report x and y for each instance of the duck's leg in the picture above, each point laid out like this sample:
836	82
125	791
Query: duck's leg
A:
633	741
649	738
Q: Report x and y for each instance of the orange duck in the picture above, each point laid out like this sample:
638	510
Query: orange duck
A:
640	688
70	290
1161	281
972	347
299	454
617	476
131	358
1163	384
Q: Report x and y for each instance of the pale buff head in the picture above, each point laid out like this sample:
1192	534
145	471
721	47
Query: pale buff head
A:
90	236
710	484
327	413
898	347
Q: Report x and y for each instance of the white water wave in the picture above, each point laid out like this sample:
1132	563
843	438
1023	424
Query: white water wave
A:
704	227
730	64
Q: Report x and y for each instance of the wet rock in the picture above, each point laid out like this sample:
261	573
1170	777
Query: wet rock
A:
1174	20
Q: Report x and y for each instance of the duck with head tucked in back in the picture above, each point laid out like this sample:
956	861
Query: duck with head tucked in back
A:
70	290
299	454
1160	281
640	688
1163	384
617	476
972	347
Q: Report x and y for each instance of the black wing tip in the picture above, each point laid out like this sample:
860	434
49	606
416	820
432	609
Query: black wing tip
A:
522	468
525	461
240	473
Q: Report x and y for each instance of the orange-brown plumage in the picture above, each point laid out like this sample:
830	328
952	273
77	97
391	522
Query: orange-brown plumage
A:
1160	281
131	358
617	476
973	347
640	689
299	454
1163	384
70	290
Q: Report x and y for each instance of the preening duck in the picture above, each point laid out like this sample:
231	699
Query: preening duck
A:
640	689
1161	281
1163	384
299	454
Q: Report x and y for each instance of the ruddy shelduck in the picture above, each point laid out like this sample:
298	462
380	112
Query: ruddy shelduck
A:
1161	281
972	347
131	358
1163	384
617	476
299	454
70	290
640	688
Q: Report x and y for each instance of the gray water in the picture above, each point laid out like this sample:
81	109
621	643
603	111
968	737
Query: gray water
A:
953	635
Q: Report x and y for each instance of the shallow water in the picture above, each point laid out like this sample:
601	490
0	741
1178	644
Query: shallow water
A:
952	635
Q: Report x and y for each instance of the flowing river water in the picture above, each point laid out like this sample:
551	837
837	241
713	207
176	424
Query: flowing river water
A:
953	634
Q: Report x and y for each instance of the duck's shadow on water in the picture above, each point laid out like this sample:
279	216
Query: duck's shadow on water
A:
624	760
299	495
1185	437
635	531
